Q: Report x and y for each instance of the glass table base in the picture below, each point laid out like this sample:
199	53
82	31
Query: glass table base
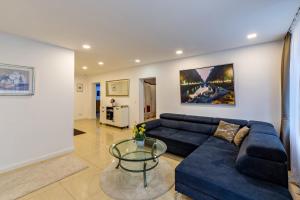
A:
138	167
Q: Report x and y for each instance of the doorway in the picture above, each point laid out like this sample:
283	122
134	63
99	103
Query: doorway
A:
149	87
98	100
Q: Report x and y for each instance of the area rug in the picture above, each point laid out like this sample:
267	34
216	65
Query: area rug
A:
26	180
78	132
122	185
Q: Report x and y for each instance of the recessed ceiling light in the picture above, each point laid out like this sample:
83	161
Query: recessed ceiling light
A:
251	36
86	46
84	67
179	52
137	60
100	63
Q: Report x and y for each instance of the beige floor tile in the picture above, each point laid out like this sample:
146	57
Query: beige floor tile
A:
100	196
51	192
83	185
99	159
295	191
172	162
83	147
88	137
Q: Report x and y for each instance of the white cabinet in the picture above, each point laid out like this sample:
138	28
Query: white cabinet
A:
115	115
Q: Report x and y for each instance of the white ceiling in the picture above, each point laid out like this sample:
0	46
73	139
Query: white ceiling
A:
120	31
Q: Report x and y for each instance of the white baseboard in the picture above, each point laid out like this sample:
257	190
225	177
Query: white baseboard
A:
36	160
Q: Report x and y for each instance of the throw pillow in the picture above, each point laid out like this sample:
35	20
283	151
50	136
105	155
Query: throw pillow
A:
240	135
226	131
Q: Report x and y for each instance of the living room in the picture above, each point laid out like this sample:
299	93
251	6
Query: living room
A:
218	118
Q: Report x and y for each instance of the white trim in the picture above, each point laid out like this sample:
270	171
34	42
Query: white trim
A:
36	160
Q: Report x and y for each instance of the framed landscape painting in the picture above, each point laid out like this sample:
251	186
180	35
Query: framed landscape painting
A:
208	85
16	80
117	87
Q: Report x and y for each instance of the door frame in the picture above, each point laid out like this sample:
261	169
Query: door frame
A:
93	99
142	98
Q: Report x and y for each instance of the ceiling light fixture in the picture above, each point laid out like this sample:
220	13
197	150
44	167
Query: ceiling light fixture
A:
86	46
84	67
179	52
100	63
137	60
251	36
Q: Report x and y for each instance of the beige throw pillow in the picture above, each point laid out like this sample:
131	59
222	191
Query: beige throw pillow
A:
240	135
226	130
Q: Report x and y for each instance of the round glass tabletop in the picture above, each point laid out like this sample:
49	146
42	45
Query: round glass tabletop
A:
130	150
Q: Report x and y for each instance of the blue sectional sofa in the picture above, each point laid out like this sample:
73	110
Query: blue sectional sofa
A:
214	169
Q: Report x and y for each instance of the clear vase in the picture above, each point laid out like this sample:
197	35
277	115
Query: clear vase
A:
140	143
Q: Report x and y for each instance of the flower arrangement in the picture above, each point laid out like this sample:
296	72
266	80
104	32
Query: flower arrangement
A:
139	132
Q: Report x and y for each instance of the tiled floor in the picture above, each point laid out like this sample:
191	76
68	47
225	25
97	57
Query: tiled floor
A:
295	191
93	148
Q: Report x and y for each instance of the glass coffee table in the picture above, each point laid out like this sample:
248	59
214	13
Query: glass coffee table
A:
135	158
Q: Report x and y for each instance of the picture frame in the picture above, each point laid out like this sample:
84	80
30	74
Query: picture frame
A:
117	87
16	80
79	87
208	85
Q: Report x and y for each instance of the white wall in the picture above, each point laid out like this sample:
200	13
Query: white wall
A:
37	127
257	84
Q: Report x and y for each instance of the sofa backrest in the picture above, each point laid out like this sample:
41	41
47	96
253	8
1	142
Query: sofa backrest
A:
200	124
261	128
262	154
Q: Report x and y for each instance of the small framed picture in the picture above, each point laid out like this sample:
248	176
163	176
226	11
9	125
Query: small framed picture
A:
79	87
16	80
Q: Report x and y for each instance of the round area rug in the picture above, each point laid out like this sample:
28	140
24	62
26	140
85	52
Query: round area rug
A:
122	185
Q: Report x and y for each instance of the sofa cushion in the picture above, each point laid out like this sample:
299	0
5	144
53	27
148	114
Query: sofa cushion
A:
240	135
263	129
182	143
214	142
198	119
226	130
151	124
252	122
189	137
170	123
265	146
210	169
268	170
172	116
161	132
206	129
232	121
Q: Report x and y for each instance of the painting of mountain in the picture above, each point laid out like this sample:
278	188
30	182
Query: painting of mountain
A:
16	80
208	85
